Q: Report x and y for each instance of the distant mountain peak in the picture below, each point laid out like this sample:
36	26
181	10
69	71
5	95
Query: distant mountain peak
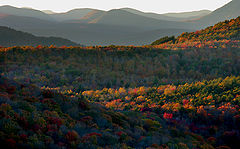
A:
27	8
7	6
48	11
26	12
80	9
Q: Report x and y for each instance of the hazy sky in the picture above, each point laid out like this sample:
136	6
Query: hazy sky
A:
158	6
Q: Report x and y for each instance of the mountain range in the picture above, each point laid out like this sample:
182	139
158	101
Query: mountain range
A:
104	31
27	12
125	26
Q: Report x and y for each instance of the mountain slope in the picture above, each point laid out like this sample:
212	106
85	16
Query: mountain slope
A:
18	22
228	11
9	10
10	37
229	29
222	35
91	17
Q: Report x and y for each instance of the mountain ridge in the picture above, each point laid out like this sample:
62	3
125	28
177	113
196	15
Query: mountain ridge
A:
170	16
26	12
125	18
17	38
190	14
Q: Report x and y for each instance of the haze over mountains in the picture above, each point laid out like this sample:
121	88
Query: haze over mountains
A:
125	18
27	12
13	38
189	15
228	11
124	26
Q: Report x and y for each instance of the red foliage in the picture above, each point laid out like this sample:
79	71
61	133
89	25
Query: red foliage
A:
39	47
237	117
118	100
197	32
88	136
94	134
223	147
120	133
168	115
4	95
211	140
185	101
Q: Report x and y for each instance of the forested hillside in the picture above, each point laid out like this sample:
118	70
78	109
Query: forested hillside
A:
198	115
113	66
229	29
208	108
177	93
223	34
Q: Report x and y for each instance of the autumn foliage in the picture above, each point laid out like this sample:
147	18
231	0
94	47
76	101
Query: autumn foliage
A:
222	35
124	96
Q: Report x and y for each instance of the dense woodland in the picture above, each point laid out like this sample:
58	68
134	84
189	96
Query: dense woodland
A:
113	67
208	108
202	115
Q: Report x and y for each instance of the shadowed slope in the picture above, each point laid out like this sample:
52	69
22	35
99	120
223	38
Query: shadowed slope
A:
10	37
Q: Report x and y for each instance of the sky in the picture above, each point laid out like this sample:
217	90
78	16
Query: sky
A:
157	6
